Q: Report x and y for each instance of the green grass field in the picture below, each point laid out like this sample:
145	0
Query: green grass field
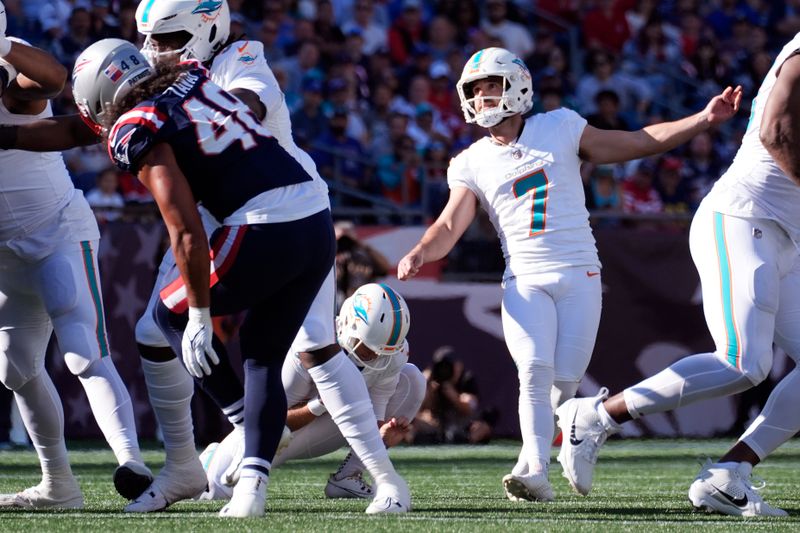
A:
639	485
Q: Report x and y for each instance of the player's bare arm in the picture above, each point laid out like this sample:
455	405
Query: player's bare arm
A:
780	126
165	181
252	101
39	77
440	238
614	146
52	134
299	417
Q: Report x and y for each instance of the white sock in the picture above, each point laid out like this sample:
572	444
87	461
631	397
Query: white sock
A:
41	411
610	425
112	409
693	378
536	415
343	391
170	388
779	421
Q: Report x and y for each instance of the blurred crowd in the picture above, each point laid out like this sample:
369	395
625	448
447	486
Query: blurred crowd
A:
371	83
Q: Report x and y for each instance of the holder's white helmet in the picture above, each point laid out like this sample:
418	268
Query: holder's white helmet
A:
208	22
377	317
517	94
103	74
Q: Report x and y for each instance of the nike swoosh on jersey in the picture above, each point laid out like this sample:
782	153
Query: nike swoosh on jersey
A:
572	437
592	274
241	49
738	502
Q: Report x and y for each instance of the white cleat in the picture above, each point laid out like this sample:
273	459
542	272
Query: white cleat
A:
348	487
249	496
233	446
532	488
391	498
131	479
584	434
725	490
45	496
174	483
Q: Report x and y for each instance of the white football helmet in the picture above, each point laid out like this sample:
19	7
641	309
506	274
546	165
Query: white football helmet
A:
103	74
207	21
517	94
377	317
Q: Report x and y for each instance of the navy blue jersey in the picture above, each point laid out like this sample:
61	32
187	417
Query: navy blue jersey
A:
227	156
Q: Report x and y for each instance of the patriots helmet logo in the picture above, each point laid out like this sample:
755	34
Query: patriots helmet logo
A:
209	9
361	306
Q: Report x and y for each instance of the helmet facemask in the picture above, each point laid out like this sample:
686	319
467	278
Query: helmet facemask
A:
488	116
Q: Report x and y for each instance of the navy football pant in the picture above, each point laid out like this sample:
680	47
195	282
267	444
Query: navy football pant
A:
274	276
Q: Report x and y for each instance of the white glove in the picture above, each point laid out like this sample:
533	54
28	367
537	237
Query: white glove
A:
196	343
5	44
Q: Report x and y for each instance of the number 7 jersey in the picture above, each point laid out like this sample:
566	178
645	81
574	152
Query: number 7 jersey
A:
533	193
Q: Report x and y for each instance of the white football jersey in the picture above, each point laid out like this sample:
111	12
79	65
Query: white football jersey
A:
754	185
533	193
382	384
241	65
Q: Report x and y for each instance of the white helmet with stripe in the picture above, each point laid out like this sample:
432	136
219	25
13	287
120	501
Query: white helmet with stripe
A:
377	317
517	97
207	23
104	74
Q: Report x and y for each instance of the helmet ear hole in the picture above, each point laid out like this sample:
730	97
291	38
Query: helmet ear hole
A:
213	33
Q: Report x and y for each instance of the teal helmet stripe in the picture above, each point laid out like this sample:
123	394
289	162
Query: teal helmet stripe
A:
396	309
146	12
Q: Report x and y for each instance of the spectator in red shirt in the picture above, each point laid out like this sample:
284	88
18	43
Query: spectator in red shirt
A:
638	193
408	30
606	26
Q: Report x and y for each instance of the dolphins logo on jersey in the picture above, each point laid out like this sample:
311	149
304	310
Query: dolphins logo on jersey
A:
361	306
247	59
209	9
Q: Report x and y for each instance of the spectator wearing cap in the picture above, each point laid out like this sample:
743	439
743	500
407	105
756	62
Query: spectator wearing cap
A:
329	35
435	161
674	190
374	35
514	36
605	27
268	36
424	129
441	95
406	32
78	37
400	173
376	117
341	96
639	195
309	122
341	158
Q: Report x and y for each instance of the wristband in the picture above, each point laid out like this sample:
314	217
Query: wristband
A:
200	314
316	407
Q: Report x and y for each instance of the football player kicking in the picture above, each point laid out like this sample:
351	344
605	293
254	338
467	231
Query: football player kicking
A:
372	327
526	175
177	31
49	282
743	240
181	135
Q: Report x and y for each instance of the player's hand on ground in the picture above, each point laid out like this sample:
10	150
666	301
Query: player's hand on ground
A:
725	105
409	265
196	344
394	431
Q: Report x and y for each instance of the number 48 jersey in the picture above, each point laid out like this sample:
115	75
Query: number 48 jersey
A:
229	159
533	193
